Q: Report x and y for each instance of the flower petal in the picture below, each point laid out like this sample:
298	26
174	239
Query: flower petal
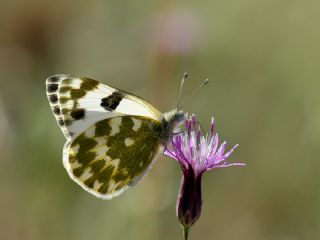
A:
230	151
226	165
169	153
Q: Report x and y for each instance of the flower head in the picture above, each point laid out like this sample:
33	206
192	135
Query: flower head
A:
198	152
195	153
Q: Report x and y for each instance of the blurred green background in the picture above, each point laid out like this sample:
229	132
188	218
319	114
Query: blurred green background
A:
262	58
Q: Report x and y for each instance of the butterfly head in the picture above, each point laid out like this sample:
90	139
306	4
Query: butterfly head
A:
174	117
171	120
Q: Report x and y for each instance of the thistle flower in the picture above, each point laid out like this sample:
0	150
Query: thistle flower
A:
196	154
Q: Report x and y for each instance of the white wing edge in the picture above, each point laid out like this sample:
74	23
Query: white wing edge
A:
95	193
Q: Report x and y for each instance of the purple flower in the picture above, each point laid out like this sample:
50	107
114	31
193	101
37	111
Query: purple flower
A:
196	154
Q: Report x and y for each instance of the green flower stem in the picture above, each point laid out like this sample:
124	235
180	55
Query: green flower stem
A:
185	233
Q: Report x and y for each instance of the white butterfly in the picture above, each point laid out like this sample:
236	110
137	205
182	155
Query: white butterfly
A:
113	137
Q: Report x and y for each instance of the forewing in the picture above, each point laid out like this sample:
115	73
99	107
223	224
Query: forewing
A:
78	103
112	154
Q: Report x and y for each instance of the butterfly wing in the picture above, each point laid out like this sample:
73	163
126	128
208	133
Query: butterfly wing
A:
78	103
112	154
110	138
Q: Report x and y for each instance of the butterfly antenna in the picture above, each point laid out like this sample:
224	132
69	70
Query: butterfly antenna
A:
185	75
195	91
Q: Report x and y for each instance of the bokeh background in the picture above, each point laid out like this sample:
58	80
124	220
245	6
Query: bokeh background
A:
262	58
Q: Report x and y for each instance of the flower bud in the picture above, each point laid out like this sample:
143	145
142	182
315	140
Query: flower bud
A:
189	199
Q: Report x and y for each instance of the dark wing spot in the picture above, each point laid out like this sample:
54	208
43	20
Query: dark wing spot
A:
53	98
52	87
111	103
65	111
102	128
65	89
54	79
78	113
67	122
78	171
60	122
77	93
89	84
56	110
64	100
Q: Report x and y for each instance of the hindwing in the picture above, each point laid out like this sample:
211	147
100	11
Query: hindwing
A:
112	154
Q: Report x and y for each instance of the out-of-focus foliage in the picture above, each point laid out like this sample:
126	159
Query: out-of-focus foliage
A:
262	58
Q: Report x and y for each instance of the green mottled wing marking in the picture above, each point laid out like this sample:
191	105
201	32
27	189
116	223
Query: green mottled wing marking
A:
112	154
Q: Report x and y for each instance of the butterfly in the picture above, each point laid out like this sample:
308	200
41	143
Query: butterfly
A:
112	136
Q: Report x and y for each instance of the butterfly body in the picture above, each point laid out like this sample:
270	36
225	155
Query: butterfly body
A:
113	137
